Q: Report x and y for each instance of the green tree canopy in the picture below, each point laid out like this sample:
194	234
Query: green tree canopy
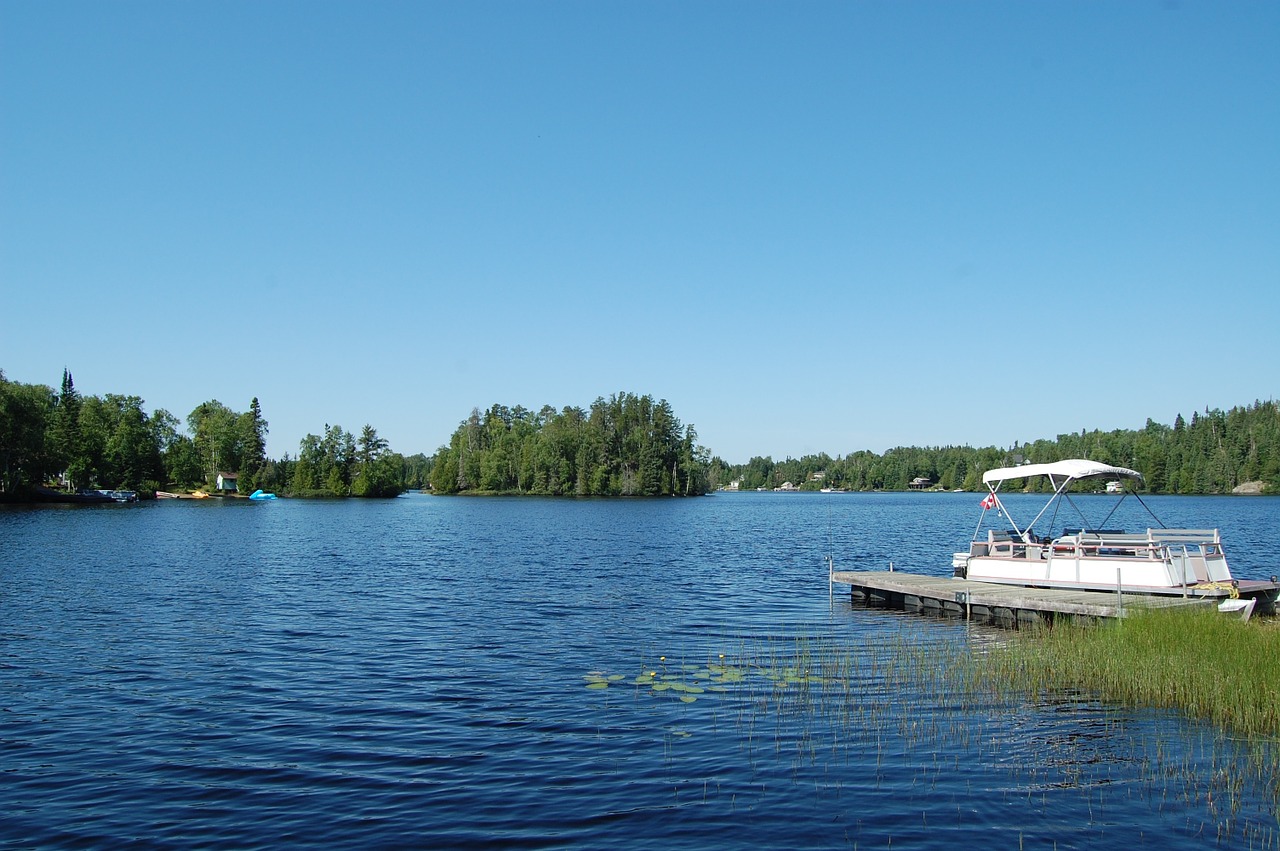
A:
626	445
25	414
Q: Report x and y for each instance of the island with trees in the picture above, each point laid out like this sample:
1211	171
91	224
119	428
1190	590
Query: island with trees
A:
626	445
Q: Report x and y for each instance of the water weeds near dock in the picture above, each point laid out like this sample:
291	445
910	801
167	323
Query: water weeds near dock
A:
807	702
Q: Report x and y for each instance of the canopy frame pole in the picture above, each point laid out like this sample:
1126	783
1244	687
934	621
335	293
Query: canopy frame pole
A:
1149	511
1057	492
1107	519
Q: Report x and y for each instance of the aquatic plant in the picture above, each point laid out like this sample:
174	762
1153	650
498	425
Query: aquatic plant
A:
1193	661
950	697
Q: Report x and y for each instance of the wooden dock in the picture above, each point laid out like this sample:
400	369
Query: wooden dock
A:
992	602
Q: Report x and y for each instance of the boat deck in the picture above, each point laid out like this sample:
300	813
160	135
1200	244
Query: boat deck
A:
990	601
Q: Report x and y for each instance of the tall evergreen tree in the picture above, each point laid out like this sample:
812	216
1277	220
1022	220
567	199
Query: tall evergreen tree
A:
252	430
378	472
66	446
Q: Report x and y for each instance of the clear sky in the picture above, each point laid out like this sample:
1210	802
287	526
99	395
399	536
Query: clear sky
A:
812	227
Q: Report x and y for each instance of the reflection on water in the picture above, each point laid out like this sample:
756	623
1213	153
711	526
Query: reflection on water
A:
463	672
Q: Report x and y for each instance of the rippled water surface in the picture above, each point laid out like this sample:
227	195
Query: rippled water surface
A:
462	672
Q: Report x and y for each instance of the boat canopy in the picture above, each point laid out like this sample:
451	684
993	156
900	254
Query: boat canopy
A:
1069	469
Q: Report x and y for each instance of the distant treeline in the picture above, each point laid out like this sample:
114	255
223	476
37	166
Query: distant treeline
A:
625	445
1211	454
61	438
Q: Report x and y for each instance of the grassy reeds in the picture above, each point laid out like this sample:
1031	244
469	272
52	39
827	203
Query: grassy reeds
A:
1193	661
930	703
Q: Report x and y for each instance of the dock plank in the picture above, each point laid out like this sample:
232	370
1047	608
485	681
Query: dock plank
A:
946	591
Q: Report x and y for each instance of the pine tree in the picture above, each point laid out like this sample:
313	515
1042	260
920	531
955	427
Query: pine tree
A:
67	449
253	447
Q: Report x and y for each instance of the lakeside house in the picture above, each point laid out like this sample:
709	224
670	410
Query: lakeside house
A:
227	482
920	483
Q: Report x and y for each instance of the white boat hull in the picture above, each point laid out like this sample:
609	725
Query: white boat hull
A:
1165	561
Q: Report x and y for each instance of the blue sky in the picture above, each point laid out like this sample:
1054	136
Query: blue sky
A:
809	226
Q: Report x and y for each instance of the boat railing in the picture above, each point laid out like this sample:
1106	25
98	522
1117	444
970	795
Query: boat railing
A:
1185	557
1109	543
1166	545
1079	544
1185	536
1154	544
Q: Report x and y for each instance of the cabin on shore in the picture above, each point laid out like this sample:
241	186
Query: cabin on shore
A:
920	483
227	482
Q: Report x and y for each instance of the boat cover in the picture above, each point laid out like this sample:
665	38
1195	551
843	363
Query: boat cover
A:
1071	468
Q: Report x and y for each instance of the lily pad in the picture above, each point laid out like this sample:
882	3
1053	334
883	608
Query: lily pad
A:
598	685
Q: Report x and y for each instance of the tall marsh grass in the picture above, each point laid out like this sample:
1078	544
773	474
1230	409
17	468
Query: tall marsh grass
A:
922	711
1193	661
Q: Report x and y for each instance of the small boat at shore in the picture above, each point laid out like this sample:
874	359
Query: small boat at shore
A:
1186	562
1239	609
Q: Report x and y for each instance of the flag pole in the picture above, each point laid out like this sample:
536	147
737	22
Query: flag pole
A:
985	509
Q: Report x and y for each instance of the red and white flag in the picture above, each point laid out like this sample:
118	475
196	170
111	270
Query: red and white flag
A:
989	501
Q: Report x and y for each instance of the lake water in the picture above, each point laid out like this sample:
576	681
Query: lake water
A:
459	672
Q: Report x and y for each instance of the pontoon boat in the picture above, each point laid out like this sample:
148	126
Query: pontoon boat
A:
1189	562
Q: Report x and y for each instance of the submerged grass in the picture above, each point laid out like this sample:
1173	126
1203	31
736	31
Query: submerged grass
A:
1194	661
917	709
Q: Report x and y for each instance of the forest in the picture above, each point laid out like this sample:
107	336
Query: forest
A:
623	445
63	439
626	445
1212	453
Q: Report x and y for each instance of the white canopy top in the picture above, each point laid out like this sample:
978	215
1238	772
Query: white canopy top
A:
1071	468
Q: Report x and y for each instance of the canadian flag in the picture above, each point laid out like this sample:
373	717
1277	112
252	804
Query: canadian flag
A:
989	501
